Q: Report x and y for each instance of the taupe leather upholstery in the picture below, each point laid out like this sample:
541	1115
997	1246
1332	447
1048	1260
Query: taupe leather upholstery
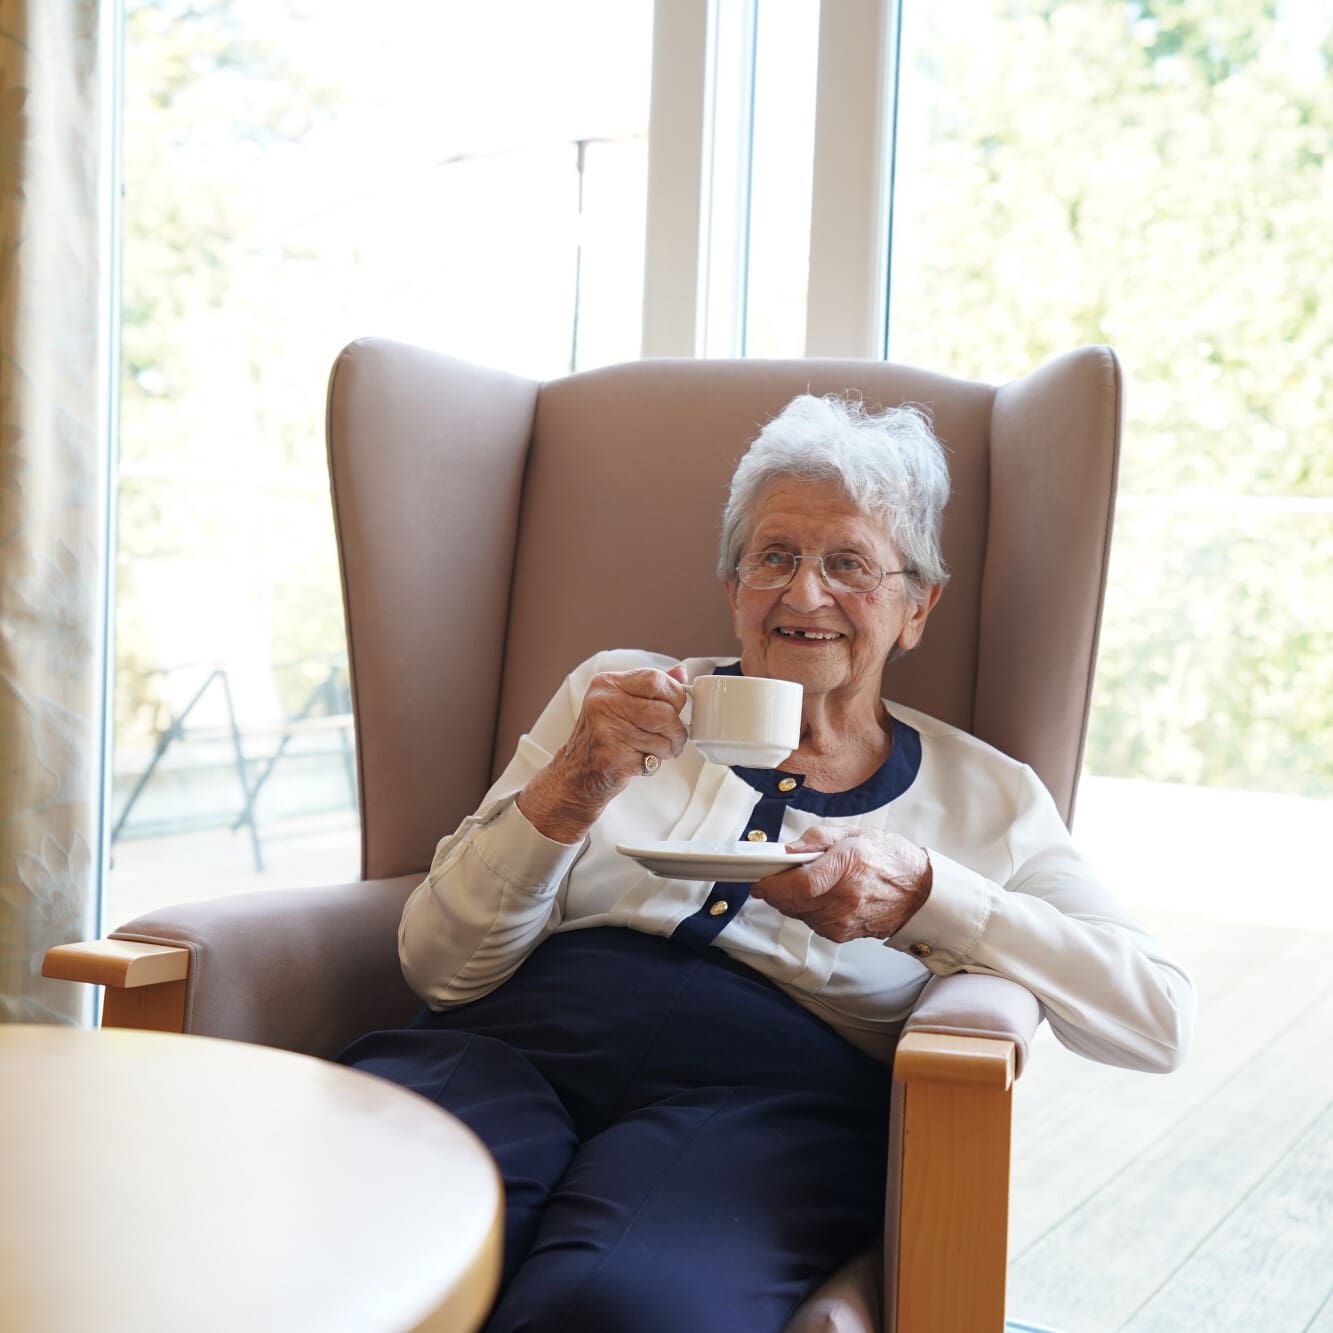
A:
438	466
963	1005
305	970
494	532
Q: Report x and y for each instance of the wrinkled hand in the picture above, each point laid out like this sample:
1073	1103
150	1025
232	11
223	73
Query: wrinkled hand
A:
625	715
866	883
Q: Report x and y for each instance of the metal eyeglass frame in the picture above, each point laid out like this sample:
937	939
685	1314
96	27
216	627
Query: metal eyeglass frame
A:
831	583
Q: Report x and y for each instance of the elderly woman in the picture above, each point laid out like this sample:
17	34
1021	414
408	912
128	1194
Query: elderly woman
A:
684	1083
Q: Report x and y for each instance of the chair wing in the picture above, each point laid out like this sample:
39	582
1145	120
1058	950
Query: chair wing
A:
494	533
426	463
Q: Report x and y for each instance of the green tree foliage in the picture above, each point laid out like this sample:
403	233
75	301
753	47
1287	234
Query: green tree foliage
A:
1156	176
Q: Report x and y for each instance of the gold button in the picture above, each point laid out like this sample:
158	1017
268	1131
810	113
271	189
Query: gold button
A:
919	950
718	907
787	784
757	835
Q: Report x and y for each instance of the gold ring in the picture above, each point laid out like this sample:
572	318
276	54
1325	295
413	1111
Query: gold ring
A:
651	763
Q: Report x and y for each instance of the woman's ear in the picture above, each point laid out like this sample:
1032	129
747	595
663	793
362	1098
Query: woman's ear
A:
915	625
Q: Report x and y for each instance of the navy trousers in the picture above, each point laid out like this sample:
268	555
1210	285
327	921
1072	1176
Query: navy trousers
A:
684	1148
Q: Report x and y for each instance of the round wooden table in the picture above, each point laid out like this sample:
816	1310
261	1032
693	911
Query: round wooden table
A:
158	1182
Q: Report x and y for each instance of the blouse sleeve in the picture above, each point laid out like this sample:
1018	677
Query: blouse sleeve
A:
1108	988
493	892
496	885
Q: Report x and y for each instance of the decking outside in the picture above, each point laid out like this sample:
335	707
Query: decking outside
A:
1201	1201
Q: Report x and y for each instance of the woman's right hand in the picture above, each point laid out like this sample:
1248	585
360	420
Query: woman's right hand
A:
626	715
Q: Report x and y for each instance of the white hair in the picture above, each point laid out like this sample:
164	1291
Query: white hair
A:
889	465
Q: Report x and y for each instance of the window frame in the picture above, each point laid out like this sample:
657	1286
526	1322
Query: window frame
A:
700	144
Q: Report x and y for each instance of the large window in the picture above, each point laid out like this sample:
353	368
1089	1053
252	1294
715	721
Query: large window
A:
1154	176
1145	173
299	173
477	178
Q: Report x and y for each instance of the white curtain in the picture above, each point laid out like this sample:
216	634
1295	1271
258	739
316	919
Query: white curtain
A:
55	59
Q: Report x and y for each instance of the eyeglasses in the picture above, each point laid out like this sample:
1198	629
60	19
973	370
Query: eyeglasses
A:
843	571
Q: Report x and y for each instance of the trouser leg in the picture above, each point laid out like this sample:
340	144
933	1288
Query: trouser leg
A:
499	1095
716	1211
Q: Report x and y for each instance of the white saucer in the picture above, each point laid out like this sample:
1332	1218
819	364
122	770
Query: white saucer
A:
731	862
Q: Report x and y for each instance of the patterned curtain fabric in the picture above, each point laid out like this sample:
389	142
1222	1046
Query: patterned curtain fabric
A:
53	487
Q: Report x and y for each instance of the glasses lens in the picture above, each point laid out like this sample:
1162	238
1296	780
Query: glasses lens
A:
766	569
853	572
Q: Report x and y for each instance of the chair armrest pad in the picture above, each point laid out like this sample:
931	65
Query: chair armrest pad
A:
970	1004
119	963
303	969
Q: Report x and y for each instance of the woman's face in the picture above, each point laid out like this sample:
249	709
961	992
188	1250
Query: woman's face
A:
834	643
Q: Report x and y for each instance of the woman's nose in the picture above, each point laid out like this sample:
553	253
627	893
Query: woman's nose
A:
807	590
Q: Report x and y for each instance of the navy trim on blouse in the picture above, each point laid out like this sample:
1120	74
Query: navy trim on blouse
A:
887	783
891	780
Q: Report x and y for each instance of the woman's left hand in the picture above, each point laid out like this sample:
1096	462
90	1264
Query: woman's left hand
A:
866	883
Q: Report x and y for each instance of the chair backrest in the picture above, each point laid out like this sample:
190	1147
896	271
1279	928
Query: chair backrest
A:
494	532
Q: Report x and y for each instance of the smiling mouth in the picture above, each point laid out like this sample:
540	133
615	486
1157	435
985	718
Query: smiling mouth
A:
810	635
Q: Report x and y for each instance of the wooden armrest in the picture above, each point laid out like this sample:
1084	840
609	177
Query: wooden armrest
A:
939	1057
948	1218
123	963
145	982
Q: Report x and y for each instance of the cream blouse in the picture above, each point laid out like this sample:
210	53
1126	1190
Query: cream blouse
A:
1010	896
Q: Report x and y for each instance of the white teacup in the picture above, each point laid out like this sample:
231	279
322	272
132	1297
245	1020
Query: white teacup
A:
753	721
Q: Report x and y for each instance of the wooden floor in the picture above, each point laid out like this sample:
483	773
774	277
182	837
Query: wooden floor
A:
1200	1201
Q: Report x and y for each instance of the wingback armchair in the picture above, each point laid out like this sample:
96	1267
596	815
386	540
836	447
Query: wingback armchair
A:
493	532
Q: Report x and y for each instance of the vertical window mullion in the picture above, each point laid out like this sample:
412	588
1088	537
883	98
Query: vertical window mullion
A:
725	219
676	178
699	158
847	303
